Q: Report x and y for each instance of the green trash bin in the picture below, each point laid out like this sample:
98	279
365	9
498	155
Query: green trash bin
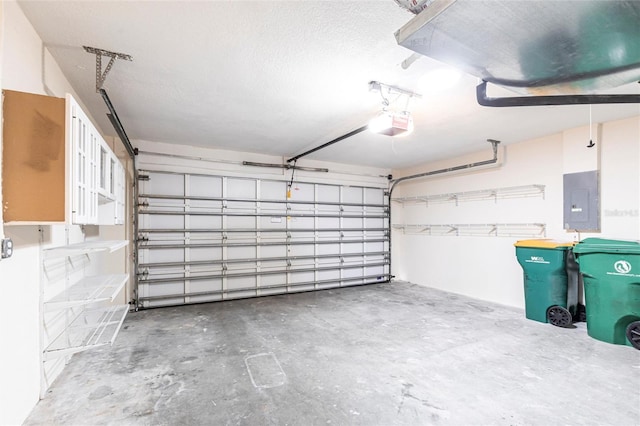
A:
549	294
611	274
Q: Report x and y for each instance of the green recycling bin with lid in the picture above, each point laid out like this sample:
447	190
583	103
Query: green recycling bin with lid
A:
550	295
611	274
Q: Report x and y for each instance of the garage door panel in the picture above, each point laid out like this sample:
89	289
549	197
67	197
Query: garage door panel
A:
302	277
241	252
374	196
374	223
240	222
302	192
164	289
352	194
273	280
213	286
328	223
205	222
270	291
205	186
164	222
205	205
325	249
272	190
328	193
301	250
273	222
374	247
233	237
331	274
352	248
241	188
301	222
374	270
328	285
162	255
353	272
205	253
273	251
348	222
238	283
164	184
204	298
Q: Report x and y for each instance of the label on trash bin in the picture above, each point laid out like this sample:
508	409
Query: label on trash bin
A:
623	268
537	259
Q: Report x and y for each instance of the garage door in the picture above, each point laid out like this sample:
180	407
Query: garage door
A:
206	238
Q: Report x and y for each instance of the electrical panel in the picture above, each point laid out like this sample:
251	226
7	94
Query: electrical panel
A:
582	201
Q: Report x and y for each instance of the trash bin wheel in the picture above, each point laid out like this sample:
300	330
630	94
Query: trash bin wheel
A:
633	334
559	316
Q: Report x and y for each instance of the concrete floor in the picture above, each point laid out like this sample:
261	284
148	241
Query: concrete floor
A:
386	354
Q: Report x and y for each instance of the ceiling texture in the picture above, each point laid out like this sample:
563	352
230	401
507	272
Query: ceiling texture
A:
280	77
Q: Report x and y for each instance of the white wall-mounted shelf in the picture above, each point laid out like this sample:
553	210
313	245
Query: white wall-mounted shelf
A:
84	248
476	229
91	328
525	191
97	288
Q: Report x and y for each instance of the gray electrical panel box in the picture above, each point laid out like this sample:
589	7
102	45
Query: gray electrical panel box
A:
582	201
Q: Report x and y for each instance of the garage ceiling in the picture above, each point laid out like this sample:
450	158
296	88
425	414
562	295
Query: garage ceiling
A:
278	77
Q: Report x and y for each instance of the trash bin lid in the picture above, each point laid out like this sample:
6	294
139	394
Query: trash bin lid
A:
601	245
544	243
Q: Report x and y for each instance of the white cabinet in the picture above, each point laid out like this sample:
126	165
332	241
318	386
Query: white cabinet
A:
56	167
98	177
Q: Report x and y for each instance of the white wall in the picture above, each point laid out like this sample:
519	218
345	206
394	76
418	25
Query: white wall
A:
486	267
28	67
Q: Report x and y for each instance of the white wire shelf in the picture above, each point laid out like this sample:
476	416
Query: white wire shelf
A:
97	288
476	229
84	248
524	191
90	329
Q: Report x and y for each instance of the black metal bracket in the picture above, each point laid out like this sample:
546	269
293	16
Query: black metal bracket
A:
117	125
515	101
338	139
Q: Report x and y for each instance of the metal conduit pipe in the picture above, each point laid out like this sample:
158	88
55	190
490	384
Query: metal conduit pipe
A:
255	260
249	200
248	230
494	144
261	273
273	214
279	243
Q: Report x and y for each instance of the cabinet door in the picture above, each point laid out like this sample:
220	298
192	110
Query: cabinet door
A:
79	167
120	194
93	176
84	156
104	179
33	159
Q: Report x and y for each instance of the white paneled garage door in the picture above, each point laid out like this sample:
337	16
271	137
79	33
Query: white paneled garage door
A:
206	238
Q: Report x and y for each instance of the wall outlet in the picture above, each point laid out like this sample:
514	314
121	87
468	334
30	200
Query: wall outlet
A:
6	248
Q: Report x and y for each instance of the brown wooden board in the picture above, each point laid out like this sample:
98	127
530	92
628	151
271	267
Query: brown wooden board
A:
33	158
